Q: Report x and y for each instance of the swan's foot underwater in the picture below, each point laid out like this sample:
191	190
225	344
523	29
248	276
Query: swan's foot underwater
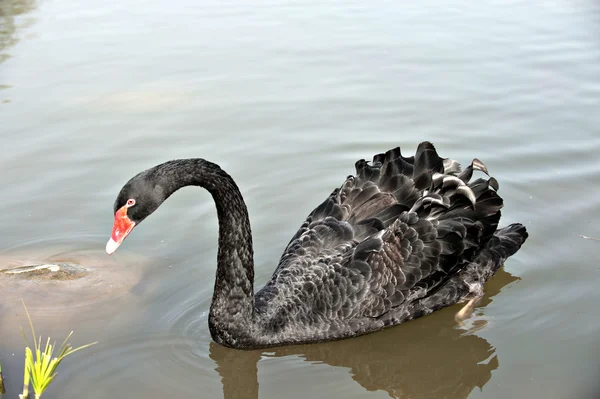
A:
467	311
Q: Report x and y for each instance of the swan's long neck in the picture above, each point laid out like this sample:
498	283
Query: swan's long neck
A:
231	318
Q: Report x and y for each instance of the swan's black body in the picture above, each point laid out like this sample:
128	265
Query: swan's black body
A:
401	239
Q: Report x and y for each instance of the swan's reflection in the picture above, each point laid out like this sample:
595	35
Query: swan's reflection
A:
426	358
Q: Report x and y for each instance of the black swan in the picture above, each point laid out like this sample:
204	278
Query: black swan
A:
403	238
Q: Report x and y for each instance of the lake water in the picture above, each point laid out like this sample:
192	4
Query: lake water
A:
286	96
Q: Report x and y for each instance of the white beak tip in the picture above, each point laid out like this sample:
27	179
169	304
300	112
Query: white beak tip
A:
111	246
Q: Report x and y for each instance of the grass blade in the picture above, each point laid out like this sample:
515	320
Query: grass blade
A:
2	389
40	365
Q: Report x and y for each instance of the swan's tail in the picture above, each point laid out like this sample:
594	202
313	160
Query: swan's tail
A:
504	243
507	241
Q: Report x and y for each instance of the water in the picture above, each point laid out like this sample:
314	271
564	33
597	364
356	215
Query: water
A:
286	97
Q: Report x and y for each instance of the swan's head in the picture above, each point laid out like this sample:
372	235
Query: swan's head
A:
136	201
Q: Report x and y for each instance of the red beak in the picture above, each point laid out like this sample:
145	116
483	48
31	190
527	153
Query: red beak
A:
121	229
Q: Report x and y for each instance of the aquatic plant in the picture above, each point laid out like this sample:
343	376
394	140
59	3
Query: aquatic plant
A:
40	365
2	390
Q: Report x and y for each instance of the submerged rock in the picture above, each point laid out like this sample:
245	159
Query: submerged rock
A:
48	271
57	279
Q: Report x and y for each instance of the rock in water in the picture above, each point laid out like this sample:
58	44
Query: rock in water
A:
47	271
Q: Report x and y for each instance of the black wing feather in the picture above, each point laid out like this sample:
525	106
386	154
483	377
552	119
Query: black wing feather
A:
396	232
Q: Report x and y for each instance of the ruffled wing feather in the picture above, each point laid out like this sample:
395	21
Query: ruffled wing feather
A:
392	234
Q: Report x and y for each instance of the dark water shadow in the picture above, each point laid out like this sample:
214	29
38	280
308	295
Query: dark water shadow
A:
425	358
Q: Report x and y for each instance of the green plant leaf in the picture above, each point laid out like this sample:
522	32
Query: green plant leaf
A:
40	366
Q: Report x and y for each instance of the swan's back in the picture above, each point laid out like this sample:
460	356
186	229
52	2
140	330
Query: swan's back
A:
403	237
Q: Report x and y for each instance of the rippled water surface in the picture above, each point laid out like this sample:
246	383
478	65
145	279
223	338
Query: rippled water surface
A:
286	96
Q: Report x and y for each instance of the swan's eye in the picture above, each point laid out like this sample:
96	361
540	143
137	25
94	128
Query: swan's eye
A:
130	202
